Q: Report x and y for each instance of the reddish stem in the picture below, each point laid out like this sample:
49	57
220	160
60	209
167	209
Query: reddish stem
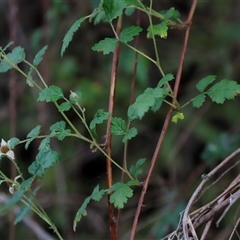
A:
165	125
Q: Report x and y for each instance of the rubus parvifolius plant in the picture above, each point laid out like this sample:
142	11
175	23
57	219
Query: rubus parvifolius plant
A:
151	99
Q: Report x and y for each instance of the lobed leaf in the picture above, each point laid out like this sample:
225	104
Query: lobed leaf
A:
59	130
225	89
39	56
128	33
69	35
50	94
13	142
113	8
131	133
81	212
32	135
136	169
118	126
120	192
65	106
203	83
177	116
167	78
160	29
44	160
144	101
199	100
97	196
13	58
106	46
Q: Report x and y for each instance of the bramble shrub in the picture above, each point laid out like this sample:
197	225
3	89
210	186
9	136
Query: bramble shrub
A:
112	12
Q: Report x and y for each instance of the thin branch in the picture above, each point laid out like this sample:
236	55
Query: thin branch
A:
200	187
112	218
165	126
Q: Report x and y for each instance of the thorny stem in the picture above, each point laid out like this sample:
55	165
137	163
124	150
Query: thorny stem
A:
165	126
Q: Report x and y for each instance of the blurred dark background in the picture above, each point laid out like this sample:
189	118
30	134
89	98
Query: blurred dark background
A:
192	147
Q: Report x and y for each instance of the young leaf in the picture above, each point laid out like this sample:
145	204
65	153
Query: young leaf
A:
32	135
118	126
160	29
132	132
144	102
136	169
44	160
69	35
199	100
81	212
58	130
39	56
106	46
120	192
203	83
225	89
177	116
49	94
128	33
167	78
65	106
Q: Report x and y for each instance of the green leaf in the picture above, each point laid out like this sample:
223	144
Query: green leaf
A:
160	29
58	130
132	132
39	56
99	117
32	135
44	160
177	116
167	78
13	142
69	35
144	101
51	93
97	194
118	126
203	83
81	212
199	100
225	89
65	106
113	8
16	56
106	46
21	214
128	33
170	13
120	192
17	196
26	185
45	144
136	169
